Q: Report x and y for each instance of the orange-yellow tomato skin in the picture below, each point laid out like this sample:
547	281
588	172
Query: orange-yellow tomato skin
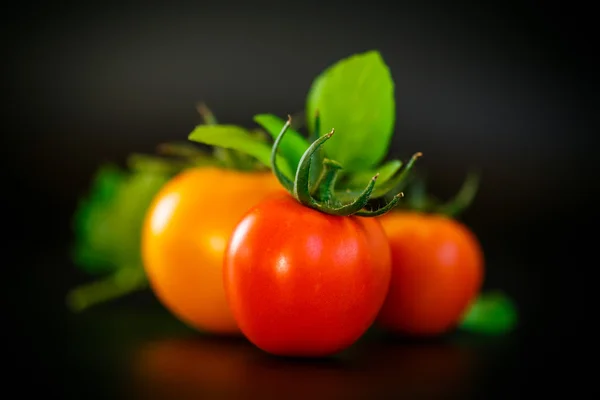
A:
437	270
184	236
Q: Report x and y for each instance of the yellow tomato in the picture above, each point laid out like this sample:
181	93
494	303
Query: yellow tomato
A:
184	236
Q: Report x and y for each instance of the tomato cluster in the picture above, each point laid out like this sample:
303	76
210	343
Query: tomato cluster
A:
301	274
302	255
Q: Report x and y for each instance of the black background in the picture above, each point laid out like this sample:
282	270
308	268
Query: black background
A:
508	87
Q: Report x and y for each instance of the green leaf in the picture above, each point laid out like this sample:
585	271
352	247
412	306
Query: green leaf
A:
104	186
292	146
355	96
108	220
313	99
361	178
492	313
239	139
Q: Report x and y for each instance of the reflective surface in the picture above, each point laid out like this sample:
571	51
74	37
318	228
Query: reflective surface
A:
199	366
134	349
142	352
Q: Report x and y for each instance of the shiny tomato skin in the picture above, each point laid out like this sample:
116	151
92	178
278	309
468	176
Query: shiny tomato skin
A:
437	270
184	237
303	283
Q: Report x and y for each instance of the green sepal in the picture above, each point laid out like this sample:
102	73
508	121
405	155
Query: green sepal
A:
323	196
292	146
394	183
464	198
419	200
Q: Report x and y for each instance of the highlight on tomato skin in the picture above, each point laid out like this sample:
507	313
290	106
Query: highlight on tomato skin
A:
184	237
304	283
437	272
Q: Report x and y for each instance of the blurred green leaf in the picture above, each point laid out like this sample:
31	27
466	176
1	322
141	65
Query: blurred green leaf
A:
491	313
355	96
108	220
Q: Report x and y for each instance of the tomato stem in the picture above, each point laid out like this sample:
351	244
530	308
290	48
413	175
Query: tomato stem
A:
322	196
122	282
206	114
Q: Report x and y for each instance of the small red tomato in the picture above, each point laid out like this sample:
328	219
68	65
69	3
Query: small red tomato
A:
437	270
300	282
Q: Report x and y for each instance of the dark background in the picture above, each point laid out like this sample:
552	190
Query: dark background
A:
508	87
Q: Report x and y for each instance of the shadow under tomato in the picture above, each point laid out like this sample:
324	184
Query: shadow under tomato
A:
205	367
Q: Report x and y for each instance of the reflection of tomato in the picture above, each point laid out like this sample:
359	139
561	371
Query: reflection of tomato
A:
437	270
184	237
191	368
202	367
304	283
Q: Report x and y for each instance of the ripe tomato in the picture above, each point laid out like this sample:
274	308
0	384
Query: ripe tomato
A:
304	283
437	270
184	236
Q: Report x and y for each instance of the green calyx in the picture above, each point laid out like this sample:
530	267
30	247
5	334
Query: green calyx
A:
320	192
418	199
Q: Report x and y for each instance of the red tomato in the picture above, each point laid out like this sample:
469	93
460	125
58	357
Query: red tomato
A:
437	270
300	282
